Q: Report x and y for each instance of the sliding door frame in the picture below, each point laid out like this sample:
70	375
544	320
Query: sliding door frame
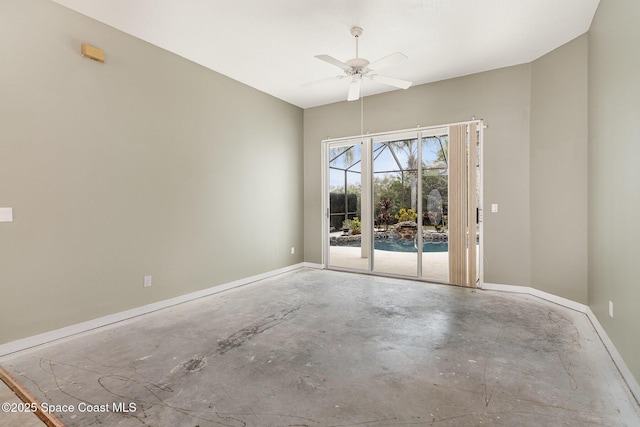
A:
367	139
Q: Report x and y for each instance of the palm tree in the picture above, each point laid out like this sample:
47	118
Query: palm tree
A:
410	148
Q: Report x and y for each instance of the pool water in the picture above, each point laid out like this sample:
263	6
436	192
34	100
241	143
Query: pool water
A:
406	245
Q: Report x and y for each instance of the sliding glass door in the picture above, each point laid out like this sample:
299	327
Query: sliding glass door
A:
396	201
346	247
405	203
435	206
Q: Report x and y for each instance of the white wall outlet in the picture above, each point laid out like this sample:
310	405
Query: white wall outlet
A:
293	250
611	308
147	281
6	214
494	207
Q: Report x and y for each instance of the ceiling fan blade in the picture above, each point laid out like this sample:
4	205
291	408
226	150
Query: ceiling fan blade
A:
354	89
315	82
333	61
391	81
387	61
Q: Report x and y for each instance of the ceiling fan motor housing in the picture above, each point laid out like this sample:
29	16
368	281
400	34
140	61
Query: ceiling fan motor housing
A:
358	66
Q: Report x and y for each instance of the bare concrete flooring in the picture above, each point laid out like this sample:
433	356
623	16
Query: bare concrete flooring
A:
325	348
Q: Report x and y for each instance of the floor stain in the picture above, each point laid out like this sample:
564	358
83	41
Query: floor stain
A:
238	338
387	312
195	364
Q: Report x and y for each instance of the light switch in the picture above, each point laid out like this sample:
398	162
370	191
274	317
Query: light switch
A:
6	214
494	207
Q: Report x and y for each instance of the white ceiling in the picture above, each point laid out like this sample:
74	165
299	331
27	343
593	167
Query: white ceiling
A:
270	44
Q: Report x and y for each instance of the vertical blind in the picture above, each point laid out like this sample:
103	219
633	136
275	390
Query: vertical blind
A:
462	204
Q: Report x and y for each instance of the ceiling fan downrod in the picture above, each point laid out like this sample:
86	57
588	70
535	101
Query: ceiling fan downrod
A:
356	32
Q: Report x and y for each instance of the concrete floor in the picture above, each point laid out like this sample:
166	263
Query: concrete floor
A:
327	348
435	265
11	419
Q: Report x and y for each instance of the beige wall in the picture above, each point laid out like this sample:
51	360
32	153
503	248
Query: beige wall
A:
614	174
145	165
558	172
501	98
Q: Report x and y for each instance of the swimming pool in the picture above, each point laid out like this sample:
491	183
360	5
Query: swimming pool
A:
399	245
406	245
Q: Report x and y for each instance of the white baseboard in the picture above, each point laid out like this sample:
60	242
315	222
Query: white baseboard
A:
313	265
90	325
537	293
628	377
617	359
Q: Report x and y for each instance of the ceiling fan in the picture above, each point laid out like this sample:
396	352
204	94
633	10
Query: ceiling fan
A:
357	68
